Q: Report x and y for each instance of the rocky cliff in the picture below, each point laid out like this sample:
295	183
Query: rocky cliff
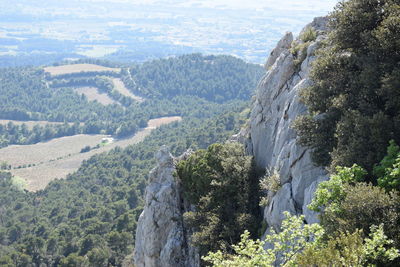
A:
270	137
162	238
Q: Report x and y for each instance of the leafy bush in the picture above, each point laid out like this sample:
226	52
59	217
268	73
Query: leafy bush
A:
308	35
222	184
388	170
347	206
350	249
364	205
271	182
331	193
293	238
303	245
299	51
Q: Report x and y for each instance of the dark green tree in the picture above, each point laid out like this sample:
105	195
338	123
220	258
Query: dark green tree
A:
222	183
355	99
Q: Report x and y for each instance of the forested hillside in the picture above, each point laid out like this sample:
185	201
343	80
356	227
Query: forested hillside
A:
214	78
90	218
31	94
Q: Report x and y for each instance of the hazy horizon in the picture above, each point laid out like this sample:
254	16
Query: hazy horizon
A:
150	29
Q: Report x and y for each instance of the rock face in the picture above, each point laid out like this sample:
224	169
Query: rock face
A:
269	136
161	238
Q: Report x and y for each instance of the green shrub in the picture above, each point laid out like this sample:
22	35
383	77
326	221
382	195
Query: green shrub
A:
303	245
271	182
388	170
299	51
348	204
309	35
350	249
222	183
364	205
331	193
293	238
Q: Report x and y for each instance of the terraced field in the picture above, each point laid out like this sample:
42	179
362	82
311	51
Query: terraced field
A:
59	157
120	87
75	68
93	93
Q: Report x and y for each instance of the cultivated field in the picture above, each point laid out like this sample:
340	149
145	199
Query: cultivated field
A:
59	157
18	155
154	123
93	93
120	87
75	68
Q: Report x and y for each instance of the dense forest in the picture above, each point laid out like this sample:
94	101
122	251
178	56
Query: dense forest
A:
211	77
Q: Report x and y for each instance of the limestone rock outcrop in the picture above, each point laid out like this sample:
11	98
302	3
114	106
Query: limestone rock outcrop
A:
161	238
270	137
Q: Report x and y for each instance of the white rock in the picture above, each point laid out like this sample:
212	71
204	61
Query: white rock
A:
282	45
282	201
160	236
271	139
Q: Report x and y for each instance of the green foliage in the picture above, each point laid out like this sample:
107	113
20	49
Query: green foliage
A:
271	182
294	238
348	205
331	193
73	260
299	48
350	249
18	182
388	161
354	100
388	170
223	185
303	245
308	35
248	253
362	206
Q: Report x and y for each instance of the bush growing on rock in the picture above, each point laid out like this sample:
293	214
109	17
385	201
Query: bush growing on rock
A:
222	184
